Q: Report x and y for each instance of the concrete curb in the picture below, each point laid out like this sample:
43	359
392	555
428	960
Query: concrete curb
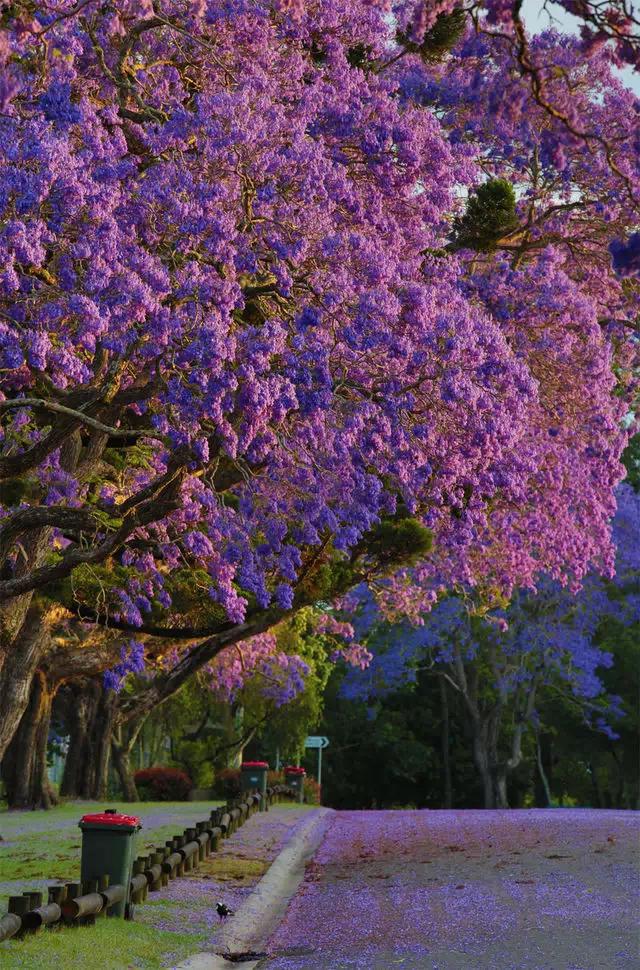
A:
262	912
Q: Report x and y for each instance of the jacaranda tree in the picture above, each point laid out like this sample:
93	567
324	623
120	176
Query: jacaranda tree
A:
501	663
247	358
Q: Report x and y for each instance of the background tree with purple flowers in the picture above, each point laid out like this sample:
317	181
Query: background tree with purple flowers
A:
547	650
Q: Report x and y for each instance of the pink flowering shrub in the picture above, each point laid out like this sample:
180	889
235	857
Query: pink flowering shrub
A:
163	784
311	791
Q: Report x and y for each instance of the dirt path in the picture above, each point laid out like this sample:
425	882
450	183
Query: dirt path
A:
426	890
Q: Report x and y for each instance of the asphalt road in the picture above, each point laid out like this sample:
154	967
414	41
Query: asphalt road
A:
474	890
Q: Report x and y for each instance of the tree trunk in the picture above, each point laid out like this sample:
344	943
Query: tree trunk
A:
24	631
21	660
499	779
122	743
100	744
543	788
24	767
447	793
89	718
80	702
122	764
481	761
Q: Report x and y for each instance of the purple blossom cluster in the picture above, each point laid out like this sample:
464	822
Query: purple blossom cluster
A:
132	661
238	262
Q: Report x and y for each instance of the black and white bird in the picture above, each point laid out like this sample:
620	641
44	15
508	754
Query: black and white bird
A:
223	911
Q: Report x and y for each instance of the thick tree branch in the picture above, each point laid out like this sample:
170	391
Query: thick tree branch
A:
37	402
165	685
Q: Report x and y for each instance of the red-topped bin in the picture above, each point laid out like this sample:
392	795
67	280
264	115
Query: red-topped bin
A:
108	848
294	778
253	777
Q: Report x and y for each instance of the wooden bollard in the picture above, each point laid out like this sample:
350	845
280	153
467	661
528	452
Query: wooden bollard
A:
201	829
138	882
82	907
170	850
190	854
144	863
138	885
163	852
186	862
203	842
42	916
195	859
90	888
18	905
102	885
178	842
34	897
34	901
11	924
72	889
113	894
171	863
154	871
57	894
189	835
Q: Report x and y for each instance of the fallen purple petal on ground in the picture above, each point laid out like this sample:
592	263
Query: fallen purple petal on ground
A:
488	888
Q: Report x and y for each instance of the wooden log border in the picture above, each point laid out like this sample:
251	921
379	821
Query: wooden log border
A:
74	903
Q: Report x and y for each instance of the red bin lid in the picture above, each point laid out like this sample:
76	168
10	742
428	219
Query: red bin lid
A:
254	764
293	770
112	818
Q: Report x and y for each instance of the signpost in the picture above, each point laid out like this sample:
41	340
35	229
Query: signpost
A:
319	742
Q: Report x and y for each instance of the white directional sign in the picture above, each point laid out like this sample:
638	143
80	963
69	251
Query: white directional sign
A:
319	742
316	741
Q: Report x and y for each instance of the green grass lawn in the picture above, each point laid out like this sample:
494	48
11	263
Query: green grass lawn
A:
39	848
109	945
44	847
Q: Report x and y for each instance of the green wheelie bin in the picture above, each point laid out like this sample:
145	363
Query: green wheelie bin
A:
294	777
253	777
108	848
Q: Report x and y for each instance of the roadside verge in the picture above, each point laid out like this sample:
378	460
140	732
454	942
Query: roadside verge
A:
250	928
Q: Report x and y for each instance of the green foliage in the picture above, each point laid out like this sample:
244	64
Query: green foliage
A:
440	39
189	591
388	754
134	456
205	733
328	580
190	719
359	56
490	214
286	727
398	542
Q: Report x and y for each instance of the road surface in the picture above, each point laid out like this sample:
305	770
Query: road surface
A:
551	889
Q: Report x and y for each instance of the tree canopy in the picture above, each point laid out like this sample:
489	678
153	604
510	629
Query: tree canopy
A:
255	347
